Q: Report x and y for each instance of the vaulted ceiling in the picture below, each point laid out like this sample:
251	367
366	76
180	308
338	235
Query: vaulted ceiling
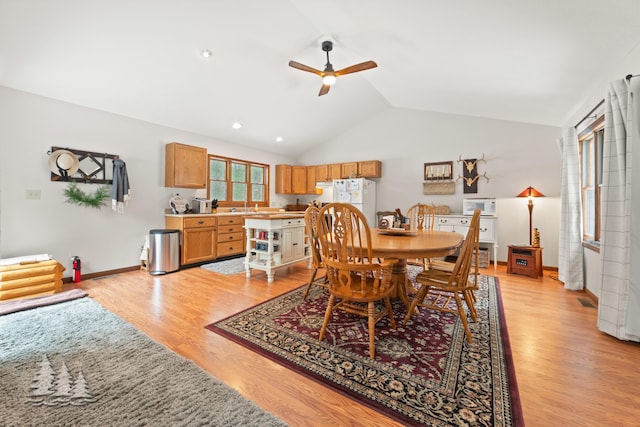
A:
528	61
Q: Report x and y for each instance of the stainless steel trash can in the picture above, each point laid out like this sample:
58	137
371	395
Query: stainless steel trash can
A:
164	251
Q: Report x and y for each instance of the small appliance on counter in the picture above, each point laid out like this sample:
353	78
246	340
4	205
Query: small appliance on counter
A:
178	205
487	206
201	206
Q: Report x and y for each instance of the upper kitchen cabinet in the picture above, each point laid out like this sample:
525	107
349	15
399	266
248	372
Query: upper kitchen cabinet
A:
335	171
311	179
370	169
349	170
283	179
185	166
299	179
322	173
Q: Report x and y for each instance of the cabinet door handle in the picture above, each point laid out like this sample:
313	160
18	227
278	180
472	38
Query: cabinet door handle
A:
293	244
200	222
230	237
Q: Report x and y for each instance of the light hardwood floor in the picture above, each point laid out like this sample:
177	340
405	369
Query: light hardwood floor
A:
568	372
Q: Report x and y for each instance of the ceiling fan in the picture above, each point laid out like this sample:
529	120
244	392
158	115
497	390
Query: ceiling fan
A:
329	75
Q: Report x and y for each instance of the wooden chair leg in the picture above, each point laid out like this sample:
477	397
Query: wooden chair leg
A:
417	299
463	317
313	277
468	297
387	303
371	314
327	316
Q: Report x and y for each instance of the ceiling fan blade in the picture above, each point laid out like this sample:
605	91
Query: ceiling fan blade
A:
355	68
324	90
303	67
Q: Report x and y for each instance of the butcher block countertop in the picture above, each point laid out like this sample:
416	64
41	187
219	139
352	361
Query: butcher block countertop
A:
287	215
275	214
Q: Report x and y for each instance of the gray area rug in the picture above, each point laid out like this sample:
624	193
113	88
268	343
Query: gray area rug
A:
75	363
230	266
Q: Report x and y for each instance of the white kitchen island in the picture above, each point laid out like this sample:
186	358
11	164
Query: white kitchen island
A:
275	241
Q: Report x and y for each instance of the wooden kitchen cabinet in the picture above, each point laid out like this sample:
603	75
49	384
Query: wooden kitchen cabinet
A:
292	179
198	237
335	171
370	169
311	180
283	179
299	179
322	173
185	166
230	235
348	170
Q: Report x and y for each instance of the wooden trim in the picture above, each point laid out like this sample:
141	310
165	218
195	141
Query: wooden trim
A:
102	273
592	296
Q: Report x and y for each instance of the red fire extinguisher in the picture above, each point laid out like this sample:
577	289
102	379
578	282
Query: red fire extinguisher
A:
77	273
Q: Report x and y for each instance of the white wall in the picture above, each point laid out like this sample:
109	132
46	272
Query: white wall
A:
517	154
103	239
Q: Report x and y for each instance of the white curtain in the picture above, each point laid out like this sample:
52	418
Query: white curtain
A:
570	251
619	304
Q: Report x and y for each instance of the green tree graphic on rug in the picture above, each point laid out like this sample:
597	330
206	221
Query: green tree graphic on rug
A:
50	389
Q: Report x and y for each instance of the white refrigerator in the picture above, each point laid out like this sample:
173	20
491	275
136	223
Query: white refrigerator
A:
361	193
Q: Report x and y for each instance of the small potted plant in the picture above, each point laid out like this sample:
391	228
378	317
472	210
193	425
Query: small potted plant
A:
214	205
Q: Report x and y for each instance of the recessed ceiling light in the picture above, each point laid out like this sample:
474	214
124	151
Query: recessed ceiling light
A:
279	139
236	125
206	53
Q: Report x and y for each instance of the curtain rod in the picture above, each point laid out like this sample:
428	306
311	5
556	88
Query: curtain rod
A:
589	114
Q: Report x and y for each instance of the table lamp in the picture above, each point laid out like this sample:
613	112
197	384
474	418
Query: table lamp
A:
530	192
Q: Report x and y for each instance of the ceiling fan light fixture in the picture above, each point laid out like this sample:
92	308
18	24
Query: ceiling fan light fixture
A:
328	79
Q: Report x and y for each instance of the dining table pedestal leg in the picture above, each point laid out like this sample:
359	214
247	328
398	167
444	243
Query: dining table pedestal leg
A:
400	281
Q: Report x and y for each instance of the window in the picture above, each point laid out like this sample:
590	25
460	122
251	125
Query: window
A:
591	142
236	182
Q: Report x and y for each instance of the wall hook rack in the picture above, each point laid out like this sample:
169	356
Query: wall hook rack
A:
95	168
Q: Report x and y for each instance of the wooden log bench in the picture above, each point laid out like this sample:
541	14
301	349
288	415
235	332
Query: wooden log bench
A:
30	278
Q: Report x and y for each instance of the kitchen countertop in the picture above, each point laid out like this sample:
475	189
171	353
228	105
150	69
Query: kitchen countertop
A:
278	215
259	214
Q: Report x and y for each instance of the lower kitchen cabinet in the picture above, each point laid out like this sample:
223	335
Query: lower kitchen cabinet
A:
230	235
198	237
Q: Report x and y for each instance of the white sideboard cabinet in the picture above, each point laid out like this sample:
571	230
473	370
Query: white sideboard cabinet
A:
460	224
275	241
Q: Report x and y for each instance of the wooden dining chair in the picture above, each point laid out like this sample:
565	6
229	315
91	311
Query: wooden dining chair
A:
438	288
356	280
448	266
311	221
421	218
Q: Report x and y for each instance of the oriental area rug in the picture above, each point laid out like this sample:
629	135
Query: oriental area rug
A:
67	361
424	373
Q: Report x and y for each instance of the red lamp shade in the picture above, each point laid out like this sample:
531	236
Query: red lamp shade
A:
530	192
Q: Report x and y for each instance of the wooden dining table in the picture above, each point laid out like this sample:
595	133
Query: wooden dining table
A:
420	244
